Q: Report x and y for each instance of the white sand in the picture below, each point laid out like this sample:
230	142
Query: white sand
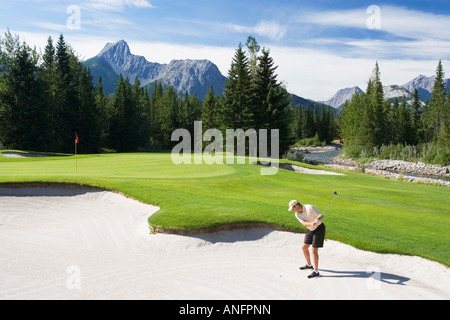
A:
23	155
314	172
75	244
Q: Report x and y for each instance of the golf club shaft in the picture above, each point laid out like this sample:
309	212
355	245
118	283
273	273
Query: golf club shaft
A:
330	204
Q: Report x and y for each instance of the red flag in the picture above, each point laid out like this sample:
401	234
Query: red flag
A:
76	138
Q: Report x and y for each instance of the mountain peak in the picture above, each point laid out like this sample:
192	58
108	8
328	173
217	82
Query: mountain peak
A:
192	76
119	48
342	96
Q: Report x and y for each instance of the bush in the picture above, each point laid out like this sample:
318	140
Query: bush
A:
352	151
311	142
436	154
432	153
294	155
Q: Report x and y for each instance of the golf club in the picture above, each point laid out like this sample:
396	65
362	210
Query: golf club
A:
336	195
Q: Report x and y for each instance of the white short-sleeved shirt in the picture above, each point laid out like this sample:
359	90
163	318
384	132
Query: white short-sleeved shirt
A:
309	214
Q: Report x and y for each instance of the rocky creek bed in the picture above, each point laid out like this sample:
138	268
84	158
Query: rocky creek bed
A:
397	169
393	169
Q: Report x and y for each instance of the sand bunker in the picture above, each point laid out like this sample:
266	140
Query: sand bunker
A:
85	244
23	155
299	169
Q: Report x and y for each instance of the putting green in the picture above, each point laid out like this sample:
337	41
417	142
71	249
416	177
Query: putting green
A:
156	166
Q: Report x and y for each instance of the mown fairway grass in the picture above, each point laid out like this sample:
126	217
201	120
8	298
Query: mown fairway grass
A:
371	213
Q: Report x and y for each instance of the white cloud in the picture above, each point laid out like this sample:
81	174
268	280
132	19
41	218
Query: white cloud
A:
422	49
269	29
51	26
398	21
415	24
319	74
404	33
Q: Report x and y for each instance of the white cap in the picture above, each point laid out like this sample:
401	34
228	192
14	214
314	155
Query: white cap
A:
292	204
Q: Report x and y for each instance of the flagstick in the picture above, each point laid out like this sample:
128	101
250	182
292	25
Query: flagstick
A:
76	160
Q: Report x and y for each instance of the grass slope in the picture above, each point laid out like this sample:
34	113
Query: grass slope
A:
371	213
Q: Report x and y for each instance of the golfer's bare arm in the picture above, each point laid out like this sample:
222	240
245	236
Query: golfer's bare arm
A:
307	224
312	224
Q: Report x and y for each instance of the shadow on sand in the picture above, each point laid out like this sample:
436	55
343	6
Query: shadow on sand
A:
44	190
236	235
380	276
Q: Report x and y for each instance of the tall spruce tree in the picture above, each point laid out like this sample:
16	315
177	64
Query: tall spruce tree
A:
210	110
438	118
253	48
375	113
123	122
271	105
89	113
352	125
416	117
237	100
49	78
434	116
22	122
168	106
66	115
404	124
155	115
103	105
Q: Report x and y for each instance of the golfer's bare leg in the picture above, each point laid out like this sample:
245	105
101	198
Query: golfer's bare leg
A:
305	249
315	254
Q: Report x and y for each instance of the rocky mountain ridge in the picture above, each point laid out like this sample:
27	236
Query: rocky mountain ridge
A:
422	83
192	76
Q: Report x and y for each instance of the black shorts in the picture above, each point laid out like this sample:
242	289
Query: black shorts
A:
316	237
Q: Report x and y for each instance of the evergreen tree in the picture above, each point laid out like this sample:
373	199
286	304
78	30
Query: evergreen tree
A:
66	99
404	122
237	111
140	102
391	127
374	117
308	126
297	121
352	125
49	78
22	122
145	109
253	48
89	113
416	117
168	105
103	106
189	111
210	110
326	126
155	116
440	116
123	123
271	105
434	115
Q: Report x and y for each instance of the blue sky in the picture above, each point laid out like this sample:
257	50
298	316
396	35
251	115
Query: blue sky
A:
320	46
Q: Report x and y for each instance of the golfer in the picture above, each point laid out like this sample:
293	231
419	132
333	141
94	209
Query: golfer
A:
311	218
